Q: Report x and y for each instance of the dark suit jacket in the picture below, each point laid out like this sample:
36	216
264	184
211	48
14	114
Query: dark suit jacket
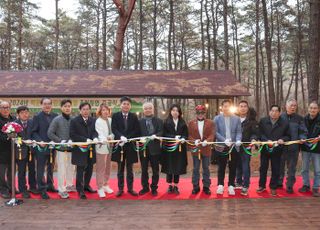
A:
25	135
154	145
41	123
133	130
5	144
80	132
280	130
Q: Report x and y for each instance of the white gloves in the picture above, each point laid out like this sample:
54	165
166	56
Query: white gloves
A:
197	142
204	143
177	137
95	139
63	141
123	139
153	137
182	140
227	142
69	143
88	140
238	143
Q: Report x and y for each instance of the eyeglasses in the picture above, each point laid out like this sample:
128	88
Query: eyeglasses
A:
200	112
7	108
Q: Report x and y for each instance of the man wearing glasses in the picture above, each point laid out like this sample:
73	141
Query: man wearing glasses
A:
5	151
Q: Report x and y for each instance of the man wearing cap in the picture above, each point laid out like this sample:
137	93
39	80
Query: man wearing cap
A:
201	131
125	125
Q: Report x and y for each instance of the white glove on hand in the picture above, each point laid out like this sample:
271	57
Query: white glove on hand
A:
197	142
182	140
227	142
63	141
69	143
95	139
204	143
177	137
88	140
238	143
121	144
153	137
123	139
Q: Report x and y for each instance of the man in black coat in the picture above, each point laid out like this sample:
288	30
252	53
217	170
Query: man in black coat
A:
150	126
24	155
41	123
290	153
125	125
5	151
82	129
272	128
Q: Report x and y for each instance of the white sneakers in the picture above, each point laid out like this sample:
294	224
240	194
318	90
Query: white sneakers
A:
231	190
220	189
101	193
107	189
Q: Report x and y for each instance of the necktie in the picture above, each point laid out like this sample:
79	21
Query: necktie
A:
125	119
86	121
24	125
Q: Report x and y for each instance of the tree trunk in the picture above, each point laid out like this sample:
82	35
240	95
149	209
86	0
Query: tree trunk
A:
314	50
155	43
208	35
140	36
124	18
170	34
269	53
226	36
57	31
19	57
257	42
203	64
104	35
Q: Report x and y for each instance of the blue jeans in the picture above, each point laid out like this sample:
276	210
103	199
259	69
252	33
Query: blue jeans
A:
315	158
205	171
243	170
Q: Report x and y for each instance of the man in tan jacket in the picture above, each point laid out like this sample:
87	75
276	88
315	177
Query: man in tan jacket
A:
201	131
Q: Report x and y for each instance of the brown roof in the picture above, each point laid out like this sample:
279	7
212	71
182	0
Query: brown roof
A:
188	84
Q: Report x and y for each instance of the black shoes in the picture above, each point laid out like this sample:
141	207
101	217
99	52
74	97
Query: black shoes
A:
119	193
176	190
304	189
82	196
44	196
195	190
170	189
52	189
89	189
206	191
133	193
154	192
26	195
5	195
289	190
315	193
34	191
144	191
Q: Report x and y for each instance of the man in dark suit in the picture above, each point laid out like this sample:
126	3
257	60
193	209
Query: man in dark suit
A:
150	126
5	151
125	125
41	123
23	154
82	129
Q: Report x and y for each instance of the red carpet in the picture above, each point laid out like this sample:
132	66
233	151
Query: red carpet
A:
185	188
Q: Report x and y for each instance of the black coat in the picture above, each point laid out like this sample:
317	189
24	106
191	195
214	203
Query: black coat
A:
250	127
25	135
153	147
80	132
41	123
280	130
175	162
5	144
133	130
297	130
313	127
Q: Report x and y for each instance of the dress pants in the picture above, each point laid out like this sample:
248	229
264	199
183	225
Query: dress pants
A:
275	158
232	163
205	171
289	159
43	160
5	177
83	176
154	162
120	175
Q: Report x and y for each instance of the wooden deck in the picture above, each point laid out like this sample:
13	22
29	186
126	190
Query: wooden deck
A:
286	213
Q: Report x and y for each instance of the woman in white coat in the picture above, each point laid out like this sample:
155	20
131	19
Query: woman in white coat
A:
103	164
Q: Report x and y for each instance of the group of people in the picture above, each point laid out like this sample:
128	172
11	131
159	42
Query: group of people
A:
227	129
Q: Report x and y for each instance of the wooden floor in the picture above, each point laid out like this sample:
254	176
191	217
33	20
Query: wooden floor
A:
285	213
